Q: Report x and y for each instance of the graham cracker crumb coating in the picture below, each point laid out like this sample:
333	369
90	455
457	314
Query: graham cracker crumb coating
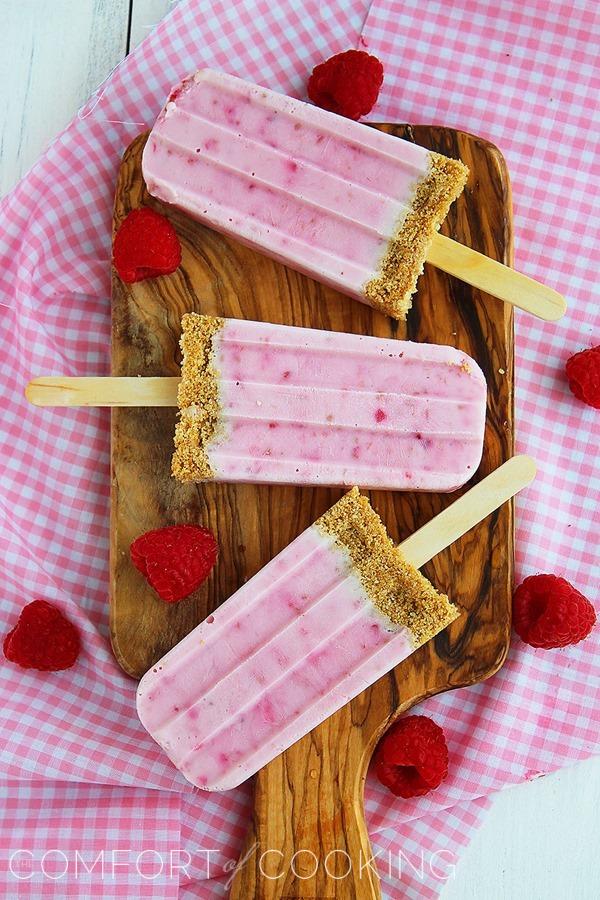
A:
391	290
395	587
197	398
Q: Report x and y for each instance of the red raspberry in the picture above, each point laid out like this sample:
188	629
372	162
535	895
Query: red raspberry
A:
176	559
583	372
347	83
145	245
412	758
549	612
42	639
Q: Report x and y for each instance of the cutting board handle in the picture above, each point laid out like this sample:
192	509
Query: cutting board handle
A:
308	837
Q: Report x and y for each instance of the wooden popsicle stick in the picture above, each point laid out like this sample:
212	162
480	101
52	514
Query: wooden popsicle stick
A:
470	509
494	278
62	391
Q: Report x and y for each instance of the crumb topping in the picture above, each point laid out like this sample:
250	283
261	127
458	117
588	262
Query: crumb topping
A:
395	587
391	289
197	398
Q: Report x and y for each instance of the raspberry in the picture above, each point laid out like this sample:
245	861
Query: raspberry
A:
42	639
176	559
583	372
412	758
549	612
145	245
347	83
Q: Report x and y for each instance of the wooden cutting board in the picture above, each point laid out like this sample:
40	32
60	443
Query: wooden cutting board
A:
310	797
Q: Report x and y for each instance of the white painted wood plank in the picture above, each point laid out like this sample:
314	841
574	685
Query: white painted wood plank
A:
52	56
144	16
538	842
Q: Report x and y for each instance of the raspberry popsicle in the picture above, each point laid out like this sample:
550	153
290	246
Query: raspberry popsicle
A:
334	611
350	206
279	404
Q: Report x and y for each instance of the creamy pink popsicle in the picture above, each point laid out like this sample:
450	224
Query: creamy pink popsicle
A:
341	202
328	616
279	404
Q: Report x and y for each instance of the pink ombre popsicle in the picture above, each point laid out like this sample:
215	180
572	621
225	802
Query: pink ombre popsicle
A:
350	206
329	615
279	404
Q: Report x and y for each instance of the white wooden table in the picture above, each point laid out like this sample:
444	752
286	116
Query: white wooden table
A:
539	842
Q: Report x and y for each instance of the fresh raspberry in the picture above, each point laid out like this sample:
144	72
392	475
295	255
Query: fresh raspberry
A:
347	83
42	639
412	758
145	245
583	372
176	559
549	612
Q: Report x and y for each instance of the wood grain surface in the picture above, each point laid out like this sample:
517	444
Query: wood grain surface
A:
310	797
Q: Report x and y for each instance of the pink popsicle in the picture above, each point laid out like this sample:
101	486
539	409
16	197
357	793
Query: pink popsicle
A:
324	619
279	404
352	207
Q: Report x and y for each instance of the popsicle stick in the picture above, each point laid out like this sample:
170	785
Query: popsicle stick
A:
492	277
466	512
59	391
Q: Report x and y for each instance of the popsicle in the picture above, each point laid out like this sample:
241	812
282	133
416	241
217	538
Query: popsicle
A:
334	611
351	206
273	404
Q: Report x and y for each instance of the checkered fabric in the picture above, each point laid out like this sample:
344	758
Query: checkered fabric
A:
81	772
62	839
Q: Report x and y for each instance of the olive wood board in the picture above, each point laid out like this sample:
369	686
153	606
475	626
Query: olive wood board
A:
311	796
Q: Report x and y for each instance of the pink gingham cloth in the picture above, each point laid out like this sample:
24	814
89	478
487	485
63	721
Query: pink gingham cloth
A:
81	779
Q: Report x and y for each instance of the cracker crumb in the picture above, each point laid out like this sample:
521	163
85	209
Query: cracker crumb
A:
391	290
197	398
394	586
